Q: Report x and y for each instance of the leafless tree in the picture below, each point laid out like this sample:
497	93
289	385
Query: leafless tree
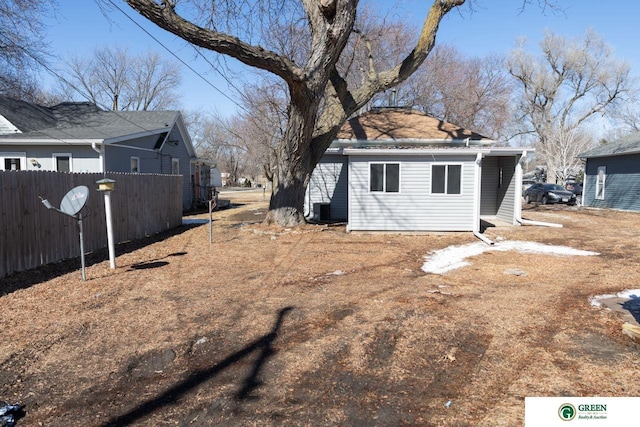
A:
474	93
115	79
320	96
22	46
563	145
572	83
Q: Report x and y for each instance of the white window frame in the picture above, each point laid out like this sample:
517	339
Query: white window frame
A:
446	179
13	155
175	165
137	160
384	177
601	179
55	160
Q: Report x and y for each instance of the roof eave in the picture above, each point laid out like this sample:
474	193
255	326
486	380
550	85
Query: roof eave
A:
49	141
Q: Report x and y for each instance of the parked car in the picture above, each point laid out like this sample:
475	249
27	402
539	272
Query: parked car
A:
549	193
526	183
575	188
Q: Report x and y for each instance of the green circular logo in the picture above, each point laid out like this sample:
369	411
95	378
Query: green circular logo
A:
567	412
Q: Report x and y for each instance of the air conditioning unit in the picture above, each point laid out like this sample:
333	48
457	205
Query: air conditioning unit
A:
321	211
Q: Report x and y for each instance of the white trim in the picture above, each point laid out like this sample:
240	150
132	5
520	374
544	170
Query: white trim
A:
446	178
517	205
21	155
477	179
47	141
137	159
175	161
602	169
54	157
411	151
384	177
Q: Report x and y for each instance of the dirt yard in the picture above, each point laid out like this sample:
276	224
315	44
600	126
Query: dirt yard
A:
315	326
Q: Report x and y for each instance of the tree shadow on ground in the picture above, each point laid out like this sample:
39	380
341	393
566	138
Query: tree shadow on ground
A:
28	278
264	344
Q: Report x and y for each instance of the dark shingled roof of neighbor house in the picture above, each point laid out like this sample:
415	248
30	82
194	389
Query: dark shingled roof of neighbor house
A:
80	120
629	144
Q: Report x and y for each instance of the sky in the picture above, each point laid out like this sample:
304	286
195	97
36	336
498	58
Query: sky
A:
79	27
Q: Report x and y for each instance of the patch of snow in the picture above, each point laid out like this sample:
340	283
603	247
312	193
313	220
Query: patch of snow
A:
444	260
336	273
629	293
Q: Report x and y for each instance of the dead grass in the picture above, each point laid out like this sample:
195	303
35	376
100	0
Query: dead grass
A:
314	326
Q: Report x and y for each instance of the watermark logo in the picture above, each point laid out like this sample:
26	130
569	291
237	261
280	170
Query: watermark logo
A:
567	412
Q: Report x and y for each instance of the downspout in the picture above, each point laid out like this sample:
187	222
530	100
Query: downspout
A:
476	200
518	206
100	151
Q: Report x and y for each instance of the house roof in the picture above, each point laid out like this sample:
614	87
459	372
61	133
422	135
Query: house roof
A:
403	124
630	144
24	116
80	121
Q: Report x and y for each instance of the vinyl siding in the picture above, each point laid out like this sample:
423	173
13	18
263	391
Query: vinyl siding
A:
329	185
489	189
622	184
83	158
506	192
413	208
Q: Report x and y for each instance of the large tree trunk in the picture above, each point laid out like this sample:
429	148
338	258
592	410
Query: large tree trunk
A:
294	164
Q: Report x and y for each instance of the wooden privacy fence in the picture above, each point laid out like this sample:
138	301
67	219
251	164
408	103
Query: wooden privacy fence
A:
32	235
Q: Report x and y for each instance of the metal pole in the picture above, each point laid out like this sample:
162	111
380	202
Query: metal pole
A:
84	278
107	209
211	221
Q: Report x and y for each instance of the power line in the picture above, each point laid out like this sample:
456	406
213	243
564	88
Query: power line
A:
183	62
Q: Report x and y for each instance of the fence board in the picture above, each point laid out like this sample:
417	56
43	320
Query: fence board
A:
31	235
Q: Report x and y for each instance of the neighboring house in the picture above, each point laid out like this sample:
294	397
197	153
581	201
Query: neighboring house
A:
612	175
394	169
80	137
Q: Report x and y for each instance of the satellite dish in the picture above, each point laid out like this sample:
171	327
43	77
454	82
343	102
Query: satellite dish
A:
74	200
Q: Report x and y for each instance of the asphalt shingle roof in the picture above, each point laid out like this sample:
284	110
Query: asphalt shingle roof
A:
25	116
627	145
392	124
71	120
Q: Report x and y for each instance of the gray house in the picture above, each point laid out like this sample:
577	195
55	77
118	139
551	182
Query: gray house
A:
80	137
395	169
612	175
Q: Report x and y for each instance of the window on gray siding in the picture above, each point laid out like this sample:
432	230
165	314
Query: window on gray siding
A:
11	164
135	164
600	181
62	162
446	179
384	177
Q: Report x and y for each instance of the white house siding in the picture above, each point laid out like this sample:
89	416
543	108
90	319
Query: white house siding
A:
329	185
83	158
414	208
507	189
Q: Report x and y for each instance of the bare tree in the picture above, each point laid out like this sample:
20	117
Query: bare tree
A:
563	145
471	92
573	82
320	96
22	46
116	80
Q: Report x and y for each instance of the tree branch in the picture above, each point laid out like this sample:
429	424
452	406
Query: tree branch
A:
164	15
